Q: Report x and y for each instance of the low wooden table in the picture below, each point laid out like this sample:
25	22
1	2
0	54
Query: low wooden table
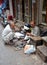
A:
44	40
36	40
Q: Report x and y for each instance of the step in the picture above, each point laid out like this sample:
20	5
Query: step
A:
42	52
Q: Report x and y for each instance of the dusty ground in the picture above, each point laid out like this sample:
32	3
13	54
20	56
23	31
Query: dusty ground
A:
10	56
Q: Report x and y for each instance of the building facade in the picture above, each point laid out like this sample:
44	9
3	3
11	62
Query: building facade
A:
41	11
27	10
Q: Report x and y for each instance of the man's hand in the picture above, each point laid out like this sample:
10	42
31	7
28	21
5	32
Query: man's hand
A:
28	34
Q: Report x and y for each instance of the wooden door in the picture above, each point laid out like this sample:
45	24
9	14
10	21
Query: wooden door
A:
28	10
46	11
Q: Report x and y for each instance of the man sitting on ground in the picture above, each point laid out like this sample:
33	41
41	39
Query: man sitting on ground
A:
8	34
34	31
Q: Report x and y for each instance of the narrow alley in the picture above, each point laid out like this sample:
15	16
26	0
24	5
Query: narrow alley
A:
23	27
10	56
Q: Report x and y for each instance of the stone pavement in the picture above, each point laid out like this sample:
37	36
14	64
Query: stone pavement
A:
10	56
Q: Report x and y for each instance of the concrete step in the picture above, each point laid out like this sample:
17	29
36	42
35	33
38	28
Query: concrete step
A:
42	52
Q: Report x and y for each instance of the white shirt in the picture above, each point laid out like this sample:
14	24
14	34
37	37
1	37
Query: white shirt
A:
6	31
35	31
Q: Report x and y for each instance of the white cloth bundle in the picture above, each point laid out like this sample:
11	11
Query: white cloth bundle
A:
18	35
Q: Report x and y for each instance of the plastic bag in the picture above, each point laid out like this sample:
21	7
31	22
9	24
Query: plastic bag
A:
29	49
